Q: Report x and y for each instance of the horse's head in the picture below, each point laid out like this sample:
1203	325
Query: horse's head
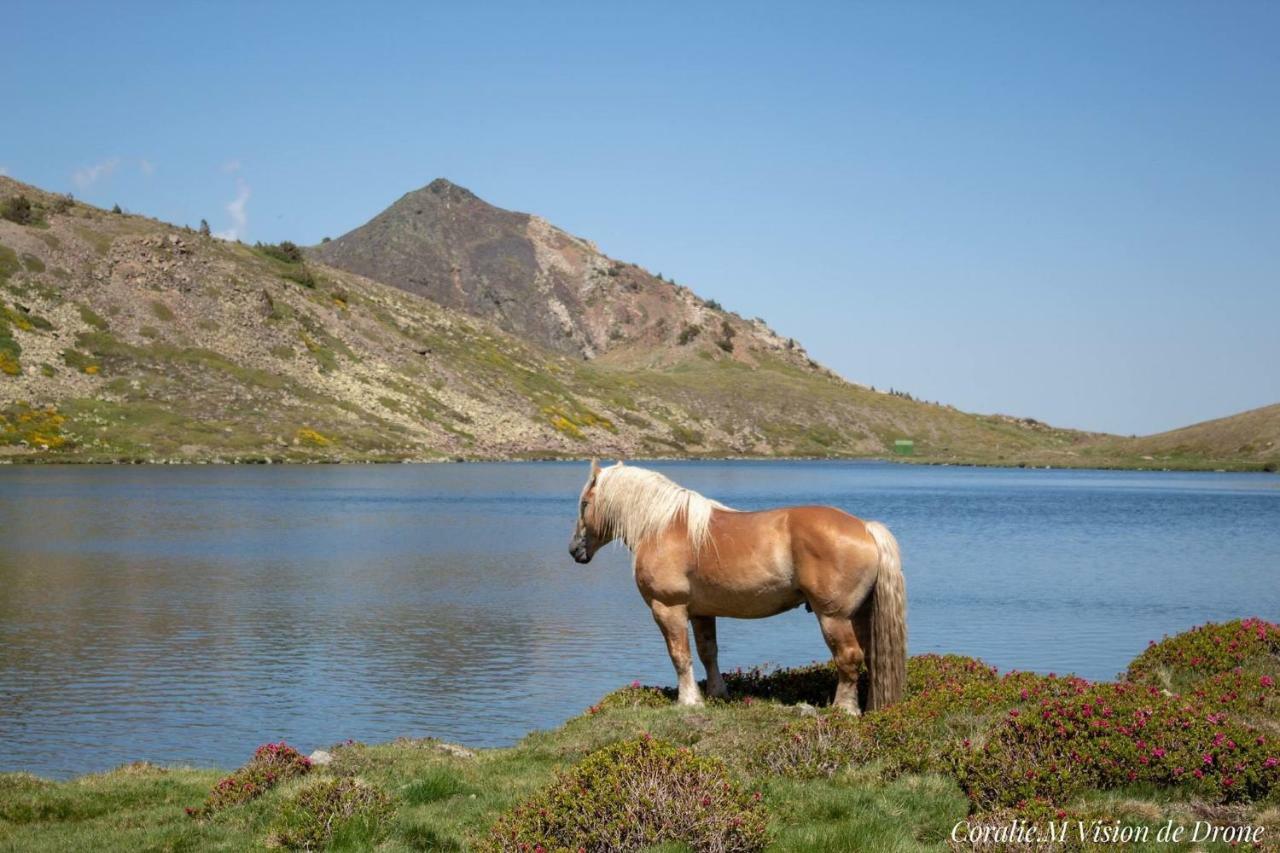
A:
591	531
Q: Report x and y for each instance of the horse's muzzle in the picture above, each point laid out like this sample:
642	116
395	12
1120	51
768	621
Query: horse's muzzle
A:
578	550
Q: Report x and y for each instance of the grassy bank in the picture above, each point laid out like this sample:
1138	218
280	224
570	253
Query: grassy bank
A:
1190	734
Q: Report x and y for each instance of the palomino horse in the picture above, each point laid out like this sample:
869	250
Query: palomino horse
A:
696	559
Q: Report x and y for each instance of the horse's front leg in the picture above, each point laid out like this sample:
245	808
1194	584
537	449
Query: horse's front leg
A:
704	635
674	622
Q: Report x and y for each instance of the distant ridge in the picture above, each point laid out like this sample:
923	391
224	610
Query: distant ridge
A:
1249	437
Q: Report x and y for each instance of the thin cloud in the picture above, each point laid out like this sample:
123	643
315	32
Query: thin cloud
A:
239	215
148	168
231	166
90	175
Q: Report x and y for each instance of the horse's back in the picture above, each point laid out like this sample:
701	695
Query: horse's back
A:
834	557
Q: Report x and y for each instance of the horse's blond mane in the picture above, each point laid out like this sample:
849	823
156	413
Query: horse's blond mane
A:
638	503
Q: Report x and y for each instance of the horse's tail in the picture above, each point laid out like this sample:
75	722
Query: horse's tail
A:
887	657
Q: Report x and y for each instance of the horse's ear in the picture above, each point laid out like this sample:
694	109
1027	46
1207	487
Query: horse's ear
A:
595	468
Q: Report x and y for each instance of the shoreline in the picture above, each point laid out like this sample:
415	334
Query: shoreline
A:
1206	467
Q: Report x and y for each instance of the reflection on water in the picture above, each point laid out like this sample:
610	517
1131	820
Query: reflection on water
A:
189	614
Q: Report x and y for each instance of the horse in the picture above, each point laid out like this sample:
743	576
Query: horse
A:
696	559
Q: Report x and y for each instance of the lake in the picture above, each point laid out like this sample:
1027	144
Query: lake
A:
188	614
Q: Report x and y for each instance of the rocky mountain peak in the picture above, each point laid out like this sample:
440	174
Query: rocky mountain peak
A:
541	283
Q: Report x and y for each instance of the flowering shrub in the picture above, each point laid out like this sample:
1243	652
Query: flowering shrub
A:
815	746
341	807
925	672
34	427
950	700
632	795
271	764
1208	650
1109	735
633	696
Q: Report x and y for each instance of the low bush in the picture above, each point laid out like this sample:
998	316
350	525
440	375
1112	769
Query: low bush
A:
10	350
36	427
331	810
301	275
271	764
725	341
312	438
632	795
688	333
820	745
921	732
285	252
1206	650
18	209
633	696
1111	735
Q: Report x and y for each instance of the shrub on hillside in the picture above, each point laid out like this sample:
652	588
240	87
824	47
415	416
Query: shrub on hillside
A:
18	209
687	334
344	808
10	351
1206	650
35	427
301	275
632	795
285	252
725	341
271	764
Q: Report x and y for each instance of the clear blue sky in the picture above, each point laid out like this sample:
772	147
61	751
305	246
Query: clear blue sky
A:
1068	211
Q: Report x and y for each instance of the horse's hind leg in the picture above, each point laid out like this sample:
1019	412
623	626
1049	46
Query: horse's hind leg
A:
838	631
674	622
862	630
704	634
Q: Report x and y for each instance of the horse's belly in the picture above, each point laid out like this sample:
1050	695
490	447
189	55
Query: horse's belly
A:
722	600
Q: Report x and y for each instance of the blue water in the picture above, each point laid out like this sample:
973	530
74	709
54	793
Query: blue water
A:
189	614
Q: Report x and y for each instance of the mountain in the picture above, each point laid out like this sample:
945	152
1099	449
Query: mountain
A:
538	282
126	338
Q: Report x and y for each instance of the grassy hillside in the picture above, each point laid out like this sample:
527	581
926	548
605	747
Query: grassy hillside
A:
1189	735
127	339
1249	439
